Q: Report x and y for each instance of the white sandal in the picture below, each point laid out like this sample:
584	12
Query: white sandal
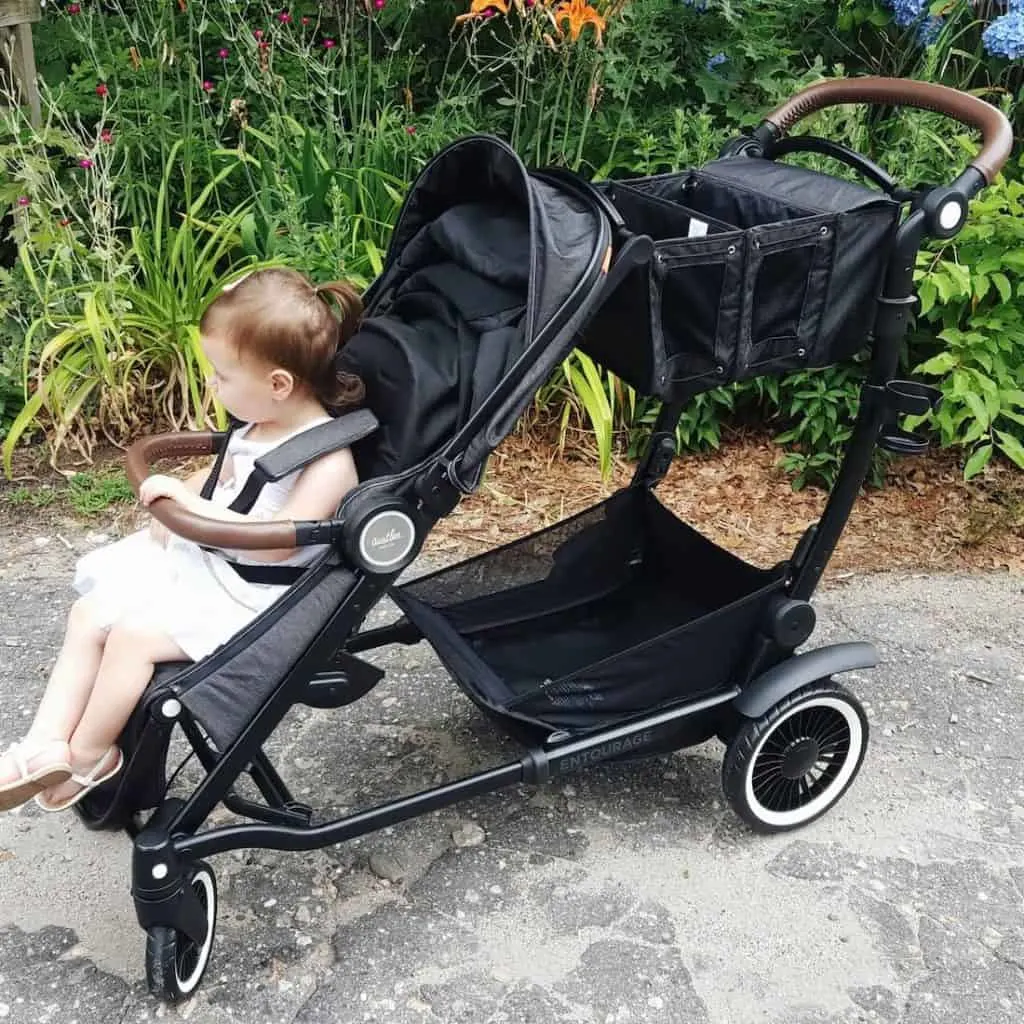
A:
28	784
88	782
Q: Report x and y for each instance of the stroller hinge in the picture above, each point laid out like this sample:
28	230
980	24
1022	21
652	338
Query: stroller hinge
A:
437	489
656	460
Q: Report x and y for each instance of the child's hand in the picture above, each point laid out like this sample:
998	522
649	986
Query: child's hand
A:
160	486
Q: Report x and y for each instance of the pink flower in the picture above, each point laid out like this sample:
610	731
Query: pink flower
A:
264	45
223	53
207	86
24	200
85	163
410	129
74	8
379	4
328	44
305	21
102	90
258	34
65	222
284	17
106	136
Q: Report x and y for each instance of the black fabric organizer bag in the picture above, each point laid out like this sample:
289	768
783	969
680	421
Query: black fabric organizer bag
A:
618	610
759	268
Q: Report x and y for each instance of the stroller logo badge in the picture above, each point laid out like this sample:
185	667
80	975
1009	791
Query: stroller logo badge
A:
609	749
387	539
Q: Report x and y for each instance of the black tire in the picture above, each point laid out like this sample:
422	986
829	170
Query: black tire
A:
788	767
174	963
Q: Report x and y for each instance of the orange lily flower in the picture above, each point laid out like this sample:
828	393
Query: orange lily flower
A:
579	13
478	7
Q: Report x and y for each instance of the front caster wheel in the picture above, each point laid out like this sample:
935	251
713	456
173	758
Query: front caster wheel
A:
792	764
174	962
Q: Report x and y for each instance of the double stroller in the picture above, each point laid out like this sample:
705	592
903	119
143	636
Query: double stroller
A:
620	632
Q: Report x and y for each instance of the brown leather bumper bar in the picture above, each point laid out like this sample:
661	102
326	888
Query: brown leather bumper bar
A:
997	134
200	529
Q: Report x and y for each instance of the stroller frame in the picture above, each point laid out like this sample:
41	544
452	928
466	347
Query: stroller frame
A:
173	890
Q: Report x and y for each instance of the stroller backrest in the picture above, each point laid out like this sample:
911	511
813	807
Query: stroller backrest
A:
441	336
486	269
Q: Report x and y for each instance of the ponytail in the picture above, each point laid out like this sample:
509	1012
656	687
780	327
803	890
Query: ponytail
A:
347	303
341	389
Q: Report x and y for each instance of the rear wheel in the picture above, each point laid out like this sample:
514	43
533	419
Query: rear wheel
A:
792	764
174	962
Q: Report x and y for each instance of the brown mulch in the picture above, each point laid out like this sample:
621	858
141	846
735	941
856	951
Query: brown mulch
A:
925	518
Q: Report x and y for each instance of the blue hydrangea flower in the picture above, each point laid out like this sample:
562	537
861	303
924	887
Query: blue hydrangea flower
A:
716	61
1005	36
908	12
928	31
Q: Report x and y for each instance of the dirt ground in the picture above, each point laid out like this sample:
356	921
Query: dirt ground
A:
925	517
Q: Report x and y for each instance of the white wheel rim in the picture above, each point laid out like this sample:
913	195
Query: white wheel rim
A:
185	985
832	792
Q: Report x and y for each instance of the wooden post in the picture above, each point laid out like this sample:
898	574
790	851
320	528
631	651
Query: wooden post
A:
16	18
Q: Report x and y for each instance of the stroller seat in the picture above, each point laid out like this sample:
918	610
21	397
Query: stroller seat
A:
468	283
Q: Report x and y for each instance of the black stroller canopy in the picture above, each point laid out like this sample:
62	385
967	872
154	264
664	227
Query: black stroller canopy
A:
485	264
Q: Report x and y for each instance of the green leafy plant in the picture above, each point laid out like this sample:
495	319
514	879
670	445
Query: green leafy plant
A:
92	493
820	407
132	347
972	298
35	497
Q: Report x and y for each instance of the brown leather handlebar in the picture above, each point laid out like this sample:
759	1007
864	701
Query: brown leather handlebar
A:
997	134
200	529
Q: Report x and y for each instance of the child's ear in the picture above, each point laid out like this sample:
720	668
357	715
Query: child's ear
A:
282	383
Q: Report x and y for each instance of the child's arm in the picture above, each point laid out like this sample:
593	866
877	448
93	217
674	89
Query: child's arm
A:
194	483
316	495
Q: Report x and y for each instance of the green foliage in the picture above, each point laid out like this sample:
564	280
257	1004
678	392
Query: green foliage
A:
820	407
92	493
972	297
87	494
286	150
131	346
34	497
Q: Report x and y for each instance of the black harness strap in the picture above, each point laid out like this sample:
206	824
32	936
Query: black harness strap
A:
275	575
299	451
211	481
295	453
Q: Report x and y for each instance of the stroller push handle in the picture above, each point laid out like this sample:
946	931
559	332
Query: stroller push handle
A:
211	532
997	134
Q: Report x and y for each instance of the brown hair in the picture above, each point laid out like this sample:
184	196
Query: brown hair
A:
278	316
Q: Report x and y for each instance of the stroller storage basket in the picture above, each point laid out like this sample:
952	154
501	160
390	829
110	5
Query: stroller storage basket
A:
758	268
618	610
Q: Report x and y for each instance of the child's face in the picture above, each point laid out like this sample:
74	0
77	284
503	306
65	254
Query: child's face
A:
247	388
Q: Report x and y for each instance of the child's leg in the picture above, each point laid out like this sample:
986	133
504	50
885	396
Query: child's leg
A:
129	657
67	692
73	676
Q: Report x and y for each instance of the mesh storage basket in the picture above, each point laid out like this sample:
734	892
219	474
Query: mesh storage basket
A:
618	610
759	268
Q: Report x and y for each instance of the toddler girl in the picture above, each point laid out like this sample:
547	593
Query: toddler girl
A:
153	597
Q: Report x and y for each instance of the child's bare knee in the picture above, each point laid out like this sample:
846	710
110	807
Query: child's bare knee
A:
84	623
129	642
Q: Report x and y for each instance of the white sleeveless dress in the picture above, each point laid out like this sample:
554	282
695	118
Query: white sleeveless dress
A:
181	590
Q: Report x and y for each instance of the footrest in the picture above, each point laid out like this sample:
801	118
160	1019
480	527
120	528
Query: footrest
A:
912	398
902	442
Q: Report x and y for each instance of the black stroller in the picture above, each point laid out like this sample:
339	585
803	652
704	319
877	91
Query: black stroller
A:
617	633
